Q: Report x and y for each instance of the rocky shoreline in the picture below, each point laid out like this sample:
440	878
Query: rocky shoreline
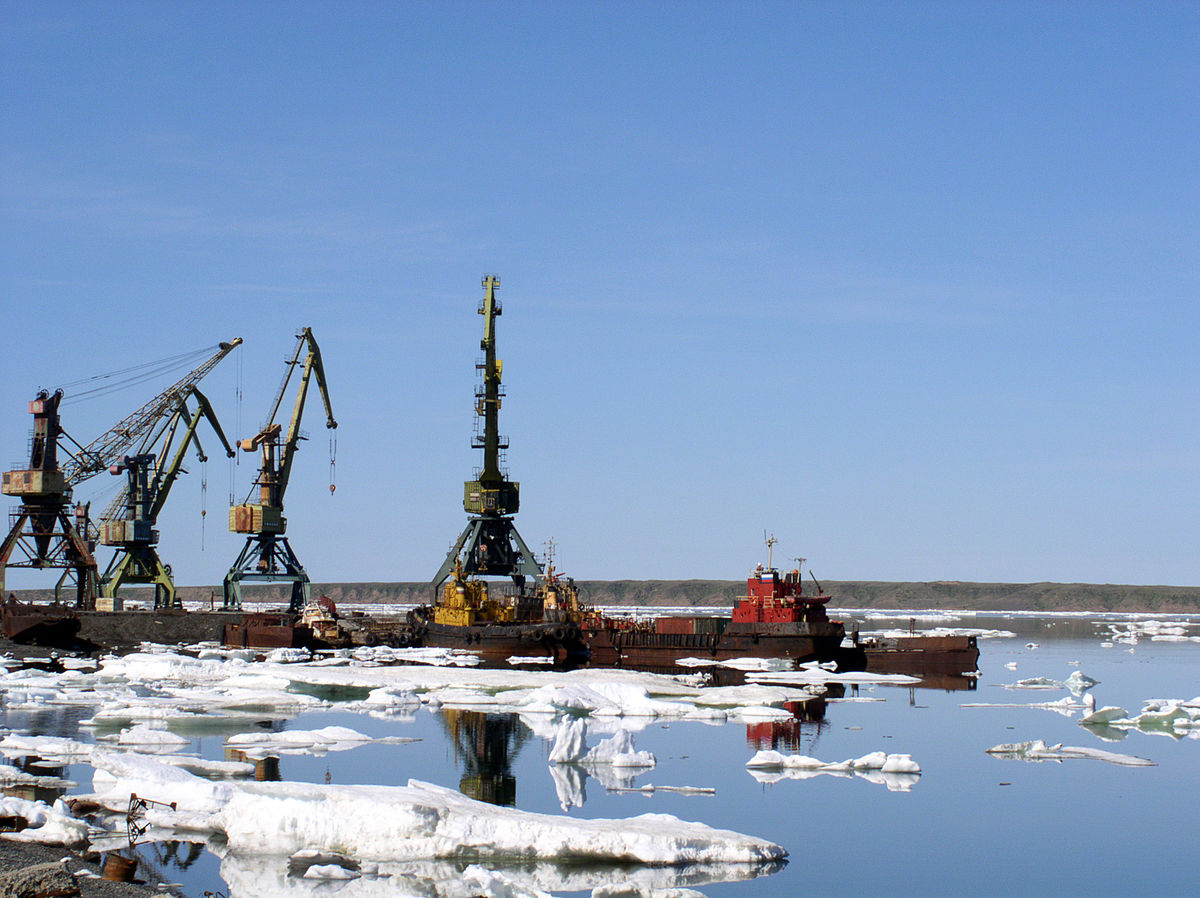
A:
21	862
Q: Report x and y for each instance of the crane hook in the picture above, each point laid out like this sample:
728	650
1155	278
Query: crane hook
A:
332	462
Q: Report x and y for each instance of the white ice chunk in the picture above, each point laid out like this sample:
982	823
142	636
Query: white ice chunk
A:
1103	715
295	742
1037	750
48	748
1079	682
49	824
154	741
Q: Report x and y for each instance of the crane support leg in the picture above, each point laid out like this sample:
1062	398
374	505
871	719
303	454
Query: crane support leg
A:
48	538
140	564
266	558
490	546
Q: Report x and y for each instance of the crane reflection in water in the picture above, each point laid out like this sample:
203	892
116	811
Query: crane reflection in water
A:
486	745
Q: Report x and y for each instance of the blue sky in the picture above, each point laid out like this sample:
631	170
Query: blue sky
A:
911	285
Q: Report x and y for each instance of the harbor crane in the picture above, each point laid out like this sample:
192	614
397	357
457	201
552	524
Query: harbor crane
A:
129	521
490	545
267	556
46	529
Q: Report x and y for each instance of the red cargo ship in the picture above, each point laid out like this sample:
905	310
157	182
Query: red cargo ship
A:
775	619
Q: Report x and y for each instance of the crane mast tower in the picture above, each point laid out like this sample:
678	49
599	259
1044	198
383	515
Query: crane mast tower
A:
490	545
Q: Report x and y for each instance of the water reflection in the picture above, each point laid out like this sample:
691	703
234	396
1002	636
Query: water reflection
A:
36	780
486	745
249	877
807	720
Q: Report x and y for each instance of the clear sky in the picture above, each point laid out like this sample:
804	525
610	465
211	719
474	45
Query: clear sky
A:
912	286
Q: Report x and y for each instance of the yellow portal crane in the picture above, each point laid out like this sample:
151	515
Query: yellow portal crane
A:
267	556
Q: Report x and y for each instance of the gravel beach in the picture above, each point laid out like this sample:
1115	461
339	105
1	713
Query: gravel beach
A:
20	855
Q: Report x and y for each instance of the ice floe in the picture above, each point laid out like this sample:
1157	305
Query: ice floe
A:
401	823
1078	682
898	772
1067	706
52	824
305	742
977	632
570	746
1037	750
817	675
48	748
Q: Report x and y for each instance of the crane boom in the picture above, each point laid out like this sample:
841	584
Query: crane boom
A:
112	445
312	366
166	479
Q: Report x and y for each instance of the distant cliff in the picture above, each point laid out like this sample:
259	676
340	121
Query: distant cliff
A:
844	594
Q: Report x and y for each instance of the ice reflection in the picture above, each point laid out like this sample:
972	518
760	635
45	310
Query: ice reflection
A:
274	877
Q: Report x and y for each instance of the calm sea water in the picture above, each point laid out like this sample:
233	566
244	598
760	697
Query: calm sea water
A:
971	824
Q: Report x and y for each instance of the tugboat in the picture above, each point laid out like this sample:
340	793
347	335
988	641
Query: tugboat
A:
542	622
775	619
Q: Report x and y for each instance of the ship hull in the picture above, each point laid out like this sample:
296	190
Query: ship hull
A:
921	654
798	641
504	640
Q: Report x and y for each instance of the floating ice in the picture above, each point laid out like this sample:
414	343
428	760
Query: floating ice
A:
303	742
821	676
977	632
153	741
1066	706
289	656
1103	715
896	771
1079	682
50	824
530	659
48	748
1037	750
399	823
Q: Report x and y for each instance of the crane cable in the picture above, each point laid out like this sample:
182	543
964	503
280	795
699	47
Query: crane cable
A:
203	500
332	460
131	376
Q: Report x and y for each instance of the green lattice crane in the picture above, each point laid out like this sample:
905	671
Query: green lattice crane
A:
149	478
